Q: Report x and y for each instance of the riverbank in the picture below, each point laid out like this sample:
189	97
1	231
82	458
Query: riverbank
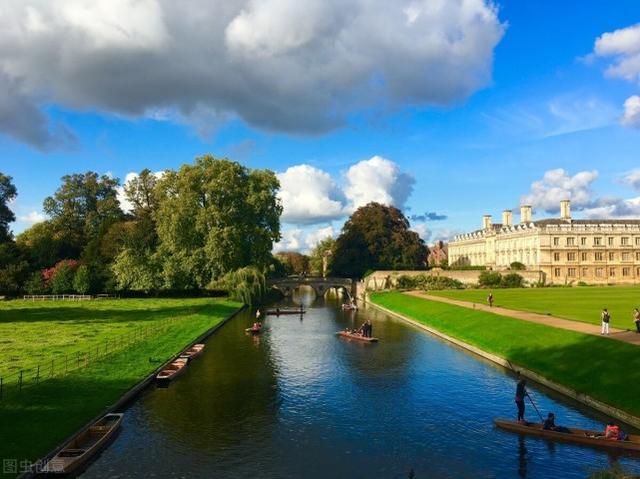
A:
585	366
36	419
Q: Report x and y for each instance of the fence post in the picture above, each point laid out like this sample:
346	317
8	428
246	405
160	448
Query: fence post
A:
20	381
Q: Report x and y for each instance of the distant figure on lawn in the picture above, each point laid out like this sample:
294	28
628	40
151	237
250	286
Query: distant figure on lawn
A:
606	317
490	299
521	392
636	319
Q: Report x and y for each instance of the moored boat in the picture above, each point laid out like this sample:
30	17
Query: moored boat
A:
170	372
280	312
578	436
356	336
253	330
192	352
82	447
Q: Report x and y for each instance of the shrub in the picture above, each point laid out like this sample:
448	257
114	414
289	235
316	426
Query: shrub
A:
512	280
82	281
490	279
517	266
36	284
427	282
406	282
245	284
62	279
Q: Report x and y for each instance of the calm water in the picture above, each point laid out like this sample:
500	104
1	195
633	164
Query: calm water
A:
298	402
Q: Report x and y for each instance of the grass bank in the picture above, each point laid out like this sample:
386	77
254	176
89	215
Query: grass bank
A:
579	303
38	418
605	370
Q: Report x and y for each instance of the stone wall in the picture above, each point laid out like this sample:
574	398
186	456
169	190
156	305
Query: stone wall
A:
380	280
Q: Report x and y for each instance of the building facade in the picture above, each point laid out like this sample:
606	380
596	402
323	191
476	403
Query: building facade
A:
565	250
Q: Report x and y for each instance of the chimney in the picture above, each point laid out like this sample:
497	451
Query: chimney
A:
525	214
565	210
507	218
486	222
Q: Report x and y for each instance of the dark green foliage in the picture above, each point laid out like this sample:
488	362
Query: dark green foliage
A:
512	280
427	282
517	266
36	284
247	285
62	279
324	249
293	262
82	281
377	237
490	279
12	277
8	193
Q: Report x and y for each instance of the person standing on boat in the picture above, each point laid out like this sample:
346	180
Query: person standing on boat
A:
368	328
606	317
521	392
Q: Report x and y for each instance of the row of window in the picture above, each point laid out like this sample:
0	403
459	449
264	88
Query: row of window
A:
599	272
597	241
598	256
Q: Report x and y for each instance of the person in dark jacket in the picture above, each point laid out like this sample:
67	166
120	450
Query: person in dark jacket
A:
521	392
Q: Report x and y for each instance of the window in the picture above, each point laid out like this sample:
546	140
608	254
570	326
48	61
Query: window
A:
626	256
571	272
638	241
612	256
584	256
599	272
597	241
599	257
626	271
556	272
556	241
624	241
556	256
583	241
612	271
585	272
637	256
610	240
571	256
570	241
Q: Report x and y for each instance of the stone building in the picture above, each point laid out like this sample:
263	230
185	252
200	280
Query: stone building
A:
565	250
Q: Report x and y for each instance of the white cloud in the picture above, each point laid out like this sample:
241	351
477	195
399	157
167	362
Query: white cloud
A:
291	241
614	208
423	231
380	180
31	218
557	185
309	196
314	237
624	46
280	65
631	116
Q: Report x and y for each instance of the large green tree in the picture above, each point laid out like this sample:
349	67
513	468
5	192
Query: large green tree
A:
294	262
8	193
322	252
377	237
213	217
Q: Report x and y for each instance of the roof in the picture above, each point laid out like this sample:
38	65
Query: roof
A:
558	221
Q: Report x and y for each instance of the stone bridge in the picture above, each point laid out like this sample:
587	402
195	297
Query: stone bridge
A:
319	285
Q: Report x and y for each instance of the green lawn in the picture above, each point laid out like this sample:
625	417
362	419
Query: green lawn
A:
580	303
604	369
39	417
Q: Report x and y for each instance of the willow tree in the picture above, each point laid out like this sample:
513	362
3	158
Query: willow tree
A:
213	217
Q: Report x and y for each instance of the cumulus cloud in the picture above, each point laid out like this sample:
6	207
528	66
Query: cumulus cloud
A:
380	180
309	195
31	218
281	65
623	46
614	208
423	231
557	185
631	115
428	216
314	237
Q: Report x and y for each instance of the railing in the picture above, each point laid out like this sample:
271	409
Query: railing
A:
60	366
67	297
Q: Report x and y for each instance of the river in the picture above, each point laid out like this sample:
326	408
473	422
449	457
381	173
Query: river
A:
299	402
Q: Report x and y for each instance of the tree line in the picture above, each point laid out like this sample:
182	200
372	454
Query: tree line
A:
210	224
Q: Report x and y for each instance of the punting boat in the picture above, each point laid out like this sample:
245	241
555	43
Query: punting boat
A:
349	307
85	445
253	330
577	436
356	336
193	352
280	312
170	372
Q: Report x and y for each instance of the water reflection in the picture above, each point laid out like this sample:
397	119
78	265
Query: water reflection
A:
297	401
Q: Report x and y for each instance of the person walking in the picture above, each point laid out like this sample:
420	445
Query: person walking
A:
636	319
521	392
490	299
606	317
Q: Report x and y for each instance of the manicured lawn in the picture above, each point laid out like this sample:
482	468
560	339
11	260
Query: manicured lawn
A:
605	369
39	417
580	303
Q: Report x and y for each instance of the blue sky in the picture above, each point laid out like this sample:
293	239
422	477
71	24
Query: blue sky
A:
549	101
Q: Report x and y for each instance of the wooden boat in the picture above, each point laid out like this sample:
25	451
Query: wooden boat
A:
253	330
577	436
85	445
280	312
349	307
170	372
358	337
193	352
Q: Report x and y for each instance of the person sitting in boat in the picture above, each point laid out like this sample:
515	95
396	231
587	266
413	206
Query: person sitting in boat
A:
257	325
549	424
612	432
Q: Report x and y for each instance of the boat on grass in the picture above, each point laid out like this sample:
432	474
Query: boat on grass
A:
76	454
170	372
356	336
577	436
192	352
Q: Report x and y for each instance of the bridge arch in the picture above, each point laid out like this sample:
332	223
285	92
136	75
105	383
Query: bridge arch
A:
319	285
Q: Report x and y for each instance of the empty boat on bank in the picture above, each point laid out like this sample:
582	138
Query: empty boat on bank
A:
192	352
170	372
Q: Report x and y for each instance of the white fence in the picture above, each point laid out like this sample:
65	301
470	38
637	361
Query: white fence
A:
57	297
